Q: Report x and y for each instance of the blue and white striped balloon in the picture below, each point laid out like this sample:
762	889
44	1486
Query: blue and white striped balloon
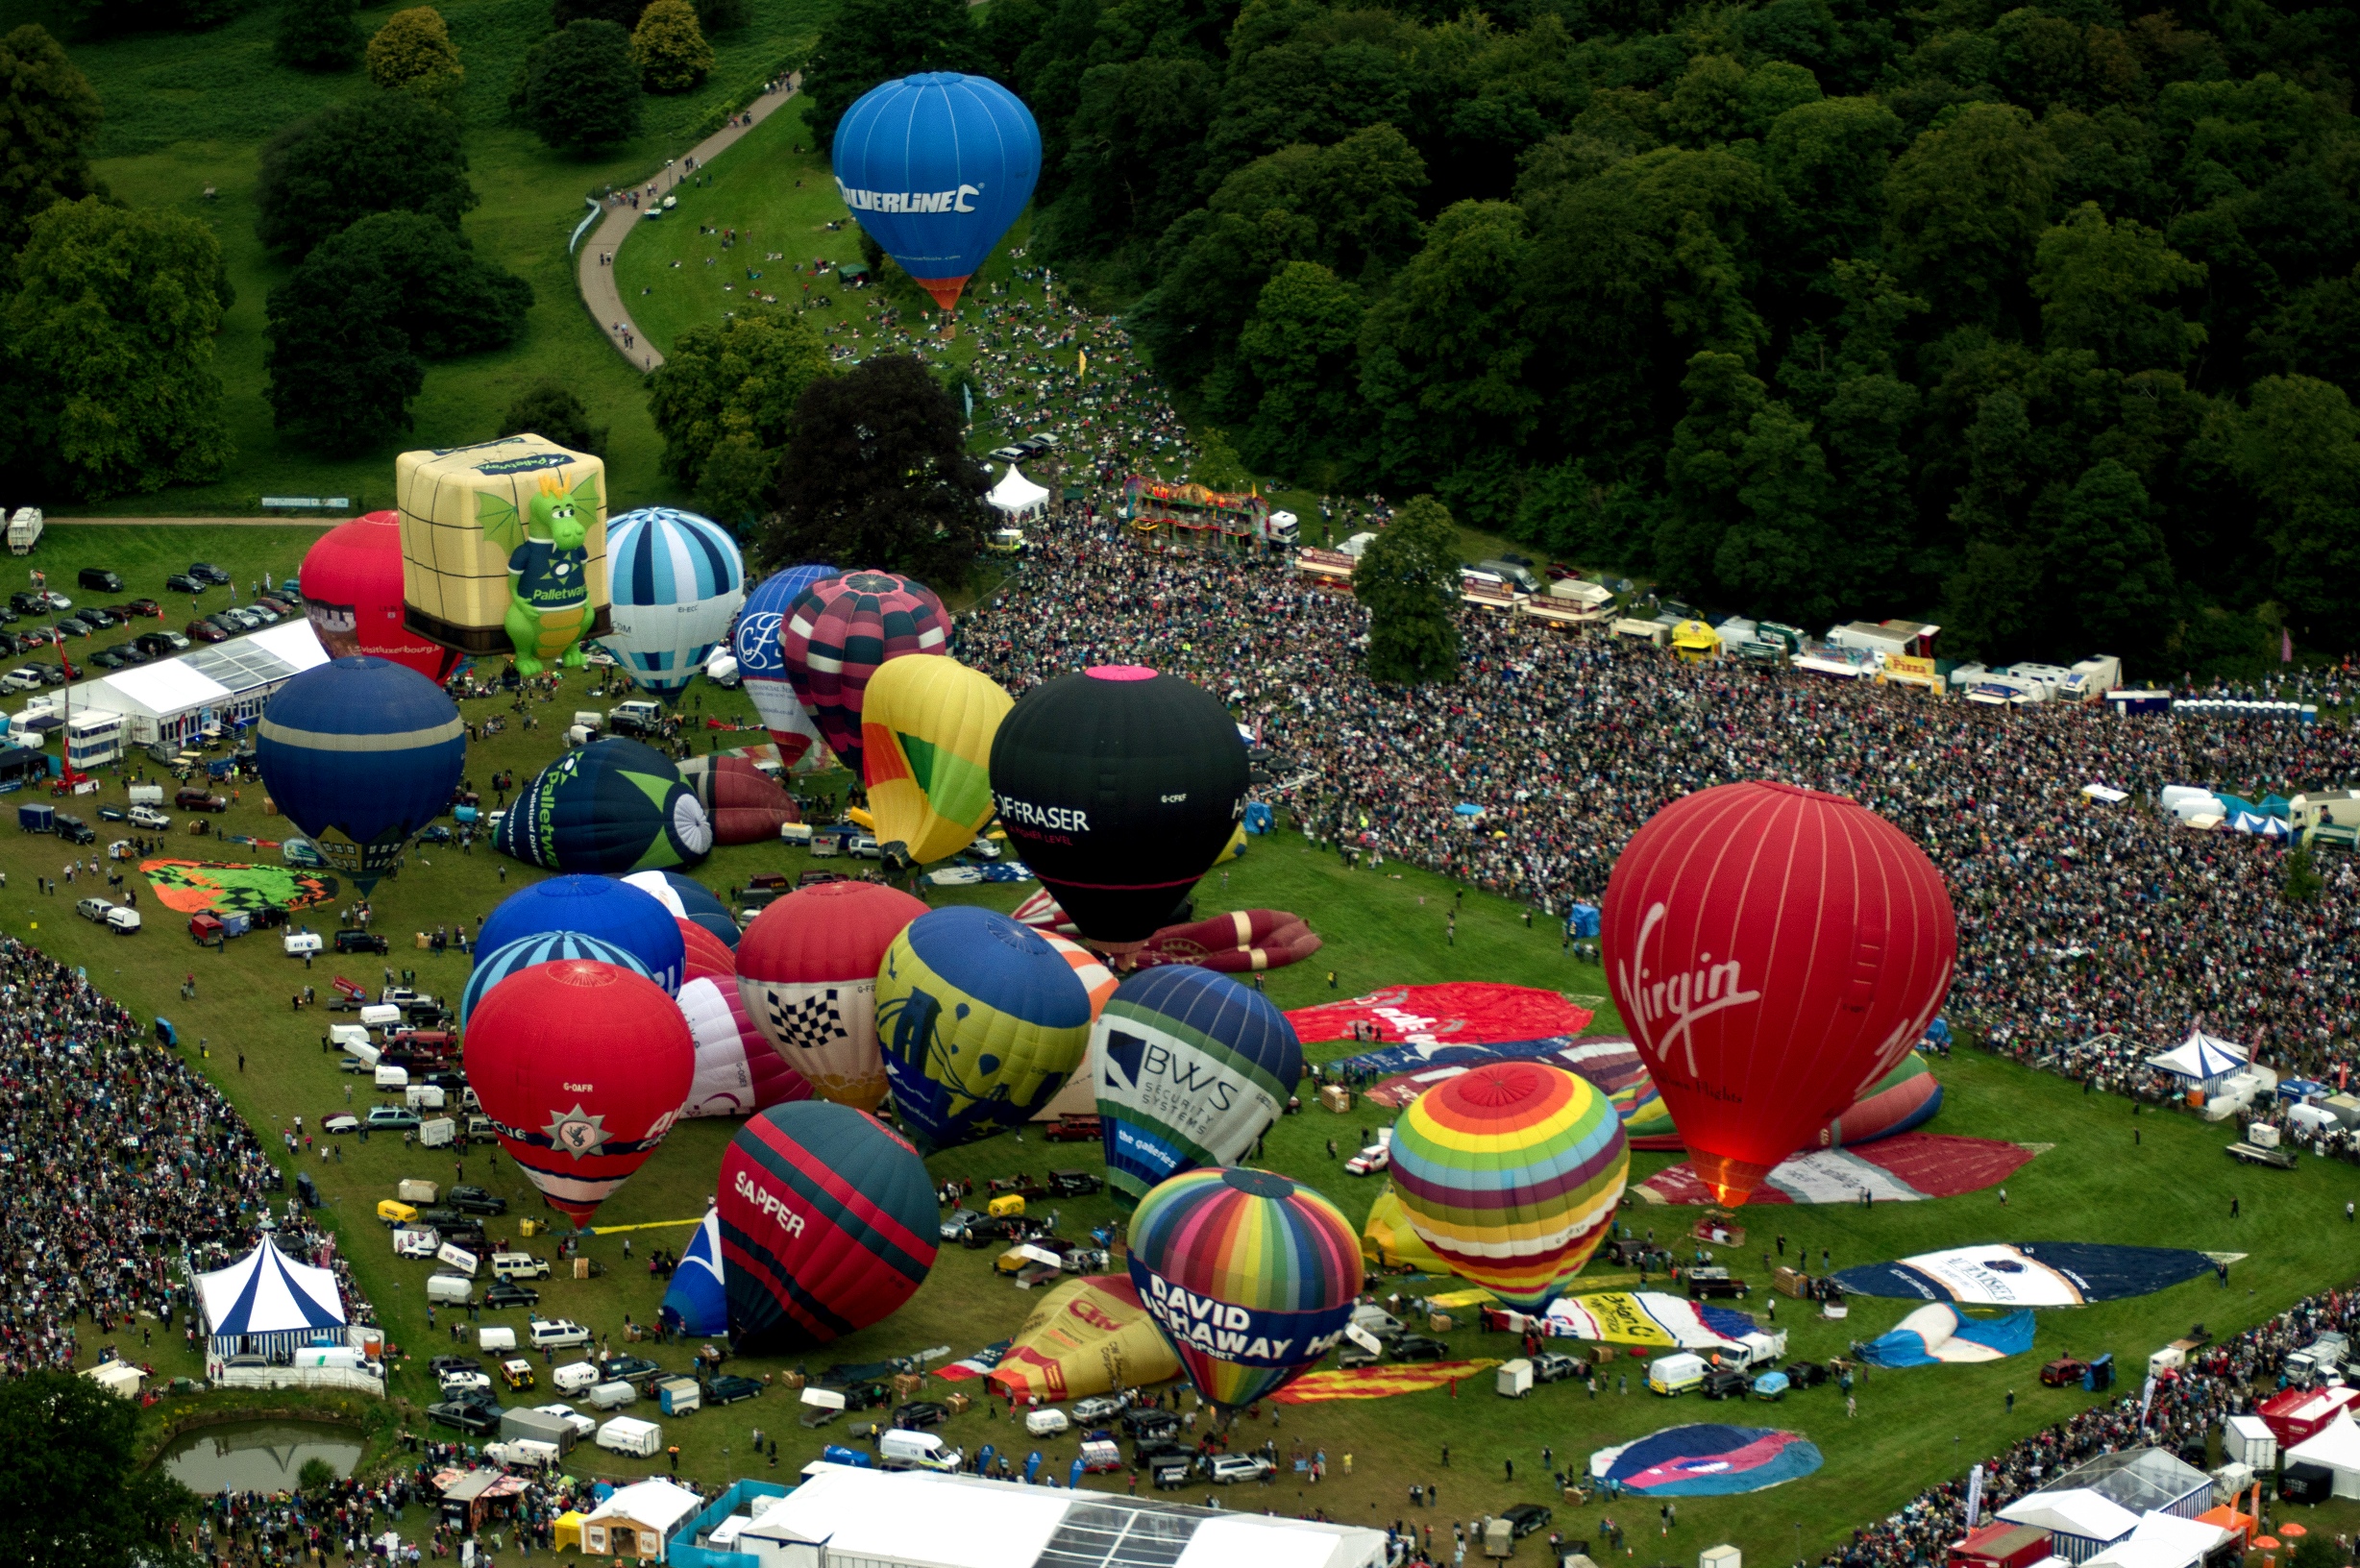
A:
677	580
542	947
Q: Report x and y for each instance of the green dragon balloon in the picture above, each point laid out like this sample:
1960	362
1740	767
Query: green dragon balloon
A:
548	575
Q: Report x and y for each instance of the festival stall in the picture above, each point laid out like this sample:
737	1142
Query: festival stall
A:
1017	498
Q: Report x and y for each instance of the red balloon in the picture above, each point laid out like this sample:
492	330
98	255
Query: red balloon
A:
581	1068
1774	951
807	969
708	957
352	590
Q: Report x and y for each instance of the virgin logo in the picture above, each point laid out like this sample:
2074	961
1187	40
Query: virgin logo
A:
1667	1007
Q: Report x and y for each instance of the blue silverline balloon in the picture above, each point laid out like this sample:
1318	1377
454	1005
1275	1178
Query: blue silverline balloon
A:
361	754
936	167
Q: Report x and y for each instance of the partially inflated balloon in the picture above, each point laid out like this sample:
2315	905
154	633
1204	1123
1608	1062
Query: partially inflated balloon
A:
744	803
361	754
1192	1069
1250	1276
926	729
807	970
762	664
936	167
737	1072
352	589
613	805
1511	1171
980	1021
1774	951
495	965
677	580
1088	1336
686	899
595	906
827	1225
1120	786
581	1068
840	631
696	1302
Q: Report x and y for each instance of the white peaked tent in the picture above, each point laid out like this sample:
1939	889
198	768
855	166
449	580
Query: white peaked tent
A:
2337	1447
266	1303
1016	497
2202	1061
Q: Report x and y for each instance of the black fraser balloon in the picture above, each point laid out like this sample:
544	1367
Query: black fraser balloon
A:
1120	787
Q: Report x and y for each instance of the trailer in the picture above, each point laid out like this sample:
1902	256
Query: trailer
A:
24	531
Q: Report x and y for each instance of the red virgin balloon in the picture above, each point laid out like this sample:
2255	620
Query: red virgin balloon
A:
351	582
1774	951
581	1068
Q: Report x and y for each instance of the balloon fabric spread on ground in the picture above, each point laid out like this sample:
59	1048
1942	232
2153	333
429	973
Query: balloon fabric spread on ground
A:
2029	1274
611	806
1706	1461
196	887
1939	1333
1647	1317
1088	1336
1378	1382
1905	1169
1426	1022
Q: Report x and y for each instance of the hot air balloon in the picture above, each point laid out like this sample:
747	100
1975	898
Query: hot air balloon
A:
936	167
980	1022
762	664
687	899
504	547
1774	951
613	805
744	803
351	582
677	580
696	1302
1251	1276
1511	1172
1120	786
737	1074
827	1225
594	906
581	1068
1192	1069
926	730
840	631
1088	1336
496	963
807	970
361	754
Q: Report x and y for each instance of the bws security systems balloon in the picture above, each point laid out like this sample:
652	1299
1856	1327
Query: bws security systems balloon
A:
926	729
827	1225
1774	951
352	589
936	167
807	969
1191	1069
980	1022
762	664
677	580
1120	786
838	634
1251	1276
595	906
581	1068
361	754
1511	1172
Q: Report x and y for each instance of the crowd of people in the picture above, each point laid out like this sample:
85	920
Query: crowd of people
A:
122	1173
2076	920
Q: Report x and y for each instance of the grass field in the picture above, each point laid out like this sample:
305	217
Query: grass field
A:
2090	1183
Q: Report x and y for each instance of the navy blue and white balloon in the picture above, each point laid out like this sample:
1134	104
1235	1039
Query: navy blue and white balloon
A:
677	580
361	754
496	964
762	663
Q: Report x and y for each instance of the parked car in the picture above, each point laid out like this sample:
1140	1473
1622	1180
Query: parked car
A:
1713	1283
1525	1518
180	582
464	1416
1075	1128
1369	1161
97	617
441	1365
74	830
94	910
921	1413
161	642
504	1293
1550	1366
340	1122
1149	1422
205	631
1074	1184
582	1426
867	1396
145	606
628	1369
955	1222
148	816
2062	1373
1418	1347
361	942
1098	1408
1723	1382
556	1333
1227	1469
391	1117
474	1200
1806	1374
207	571
197	797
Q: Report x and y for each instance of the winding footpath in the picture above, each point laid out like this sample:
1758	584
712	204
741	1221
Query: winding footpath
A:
595	268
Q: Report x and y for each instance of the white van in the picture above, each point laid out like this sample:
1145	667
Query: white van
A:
488	1337
625	1434
523	1452
1758	1349
899	1449
1671	1374
423	1096
381	1015
338	1356
352	1039
392	1077
1047	1422
449	1290
574	1376
613	1396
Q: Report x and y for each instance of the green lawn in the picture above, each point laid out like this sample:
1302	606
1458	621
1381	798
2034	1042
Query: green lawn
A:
185	111
1916	1427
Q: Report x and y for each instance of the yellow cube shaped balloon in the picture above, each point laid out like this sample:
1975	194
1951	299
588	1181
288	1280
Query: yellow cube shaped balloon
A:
504	549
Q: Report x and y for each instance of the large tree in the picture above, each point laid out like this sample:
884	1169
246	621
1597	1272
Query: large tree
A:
351	331
551	409
413	53
110	331
48	115
1408	579
876	470
669	47
725	402
386	153
79	1496
581	87
868	42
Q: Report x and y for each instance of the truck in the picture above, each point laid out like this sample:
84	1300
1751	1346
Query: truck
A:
24	531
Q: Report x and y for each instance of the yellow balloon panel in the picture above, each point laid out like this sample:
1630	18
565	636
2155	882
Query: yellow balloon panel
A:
1091	1335
464	510
926	728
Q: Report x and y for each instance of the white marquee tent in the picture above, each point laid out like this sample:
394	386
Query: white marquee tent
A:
2161	1542
266	1303
1016	497
2336	1445
2202	1061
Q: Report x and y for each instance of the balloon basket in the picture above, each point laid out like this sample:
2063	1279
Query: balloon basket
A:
1719	1227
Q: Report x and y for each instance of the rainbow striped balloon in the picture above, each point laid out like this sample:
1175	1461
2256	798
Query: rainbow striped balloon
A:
1511	1171
1251	1276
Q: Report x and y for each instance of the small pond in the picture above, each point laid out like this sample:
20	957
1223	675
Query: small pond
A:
257	1456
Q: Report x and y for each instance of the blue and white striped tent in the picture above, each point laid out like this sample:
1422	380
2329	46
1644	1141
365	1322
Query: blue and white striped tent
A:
545	948
677	580
266	1304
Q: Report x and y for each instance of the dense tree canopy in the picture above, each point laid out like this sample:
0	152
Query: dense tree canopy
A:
318	36
725	402
1409	578
876	470
876	40
581	86
2034	319
551	409
69	1457
48	115
383	153
413	53
669	47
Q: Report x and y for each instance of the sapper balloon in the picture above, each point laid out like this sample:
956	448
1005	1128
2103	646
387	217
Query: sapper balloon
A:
1774	950
1120	786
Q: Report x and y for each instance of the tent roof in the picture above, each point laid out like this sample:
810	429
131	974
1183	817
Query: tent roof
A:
2162	1541
2336	1445
2074	1510
2138	1479
2200	1056
1014	493
268	1292
658	1504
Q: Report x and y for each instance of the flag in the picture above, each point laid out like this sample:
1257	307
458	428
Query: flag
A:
2286	646
2146	1397
967	391
1975	1496
1083	370
1377	1381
